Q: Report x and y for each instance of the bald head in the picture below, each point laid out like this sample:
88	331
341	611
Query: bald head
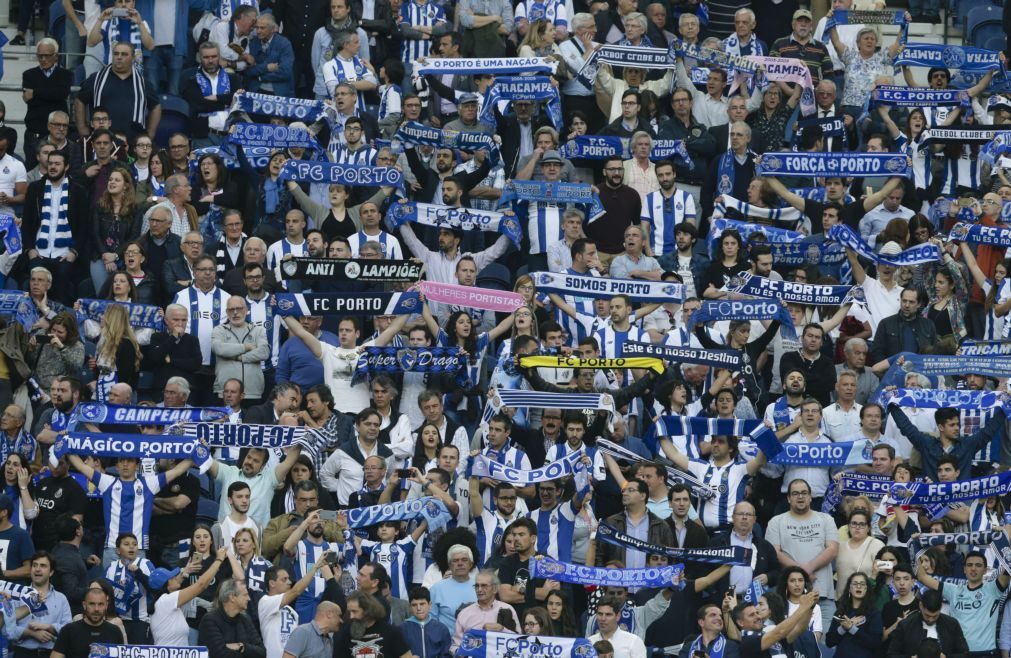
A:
120	393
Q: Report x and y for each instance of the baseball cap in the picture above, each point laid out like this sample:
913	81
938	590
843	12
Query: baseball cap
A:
160	577
803	13
468	97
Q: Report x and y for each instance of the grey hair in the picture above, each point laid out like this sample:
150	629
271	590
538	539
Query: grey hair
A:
490	573
55	114
574	212
49	41
688	17
638	18
259	240
270	17
209	45
284	387
181	382
639	135
228	589
459	548
581	20
847	373
921	379
745	10
342	39
853	343
177	307
42	270
372	244
174	181
743	126
714	43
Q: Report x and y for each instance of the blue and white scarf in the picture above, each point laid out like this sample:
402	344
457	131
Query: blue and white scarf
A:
929	398
744	309
101	650
141	315
258	157
271	136
787	214
963	58
729	359
529	191
435	360
207	89
336	303
702	426
521	399
419	134
12	301
674	476
605	288
578	574
711	57
11	234
597	147
995	148
483	466
116	414
58	227
727	172
430	508
924	493
866	484
491	644
994	236
625	56
747	283
522	88
934	366
919	544
735	555
972	347
963	135
245	435
896	96
788	247
343	174
297	109
830	127
492	65
918	255
818	455
788	163
141	446
464	219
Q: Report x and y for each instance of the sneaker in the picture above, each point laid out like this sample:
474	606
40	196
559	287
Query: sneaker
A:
18	40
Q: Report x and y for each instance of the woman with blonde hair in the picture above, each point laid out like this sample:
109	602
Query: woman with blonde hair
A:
245	560
118	351
539	41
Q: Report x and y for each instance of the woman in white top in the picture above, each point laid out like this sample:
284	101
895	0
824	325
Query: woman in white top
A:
793	584
856	554
168	623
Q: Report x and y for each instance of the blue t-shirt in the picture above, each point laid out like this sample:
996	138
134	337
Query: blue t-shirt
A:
297	364
15	548
447	597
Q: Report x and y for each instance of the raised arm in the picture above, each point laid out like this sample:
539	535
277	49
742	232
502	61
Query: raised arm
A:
859	274
281	470
206	578
680	460
296	329
791	198
501	328
80	466
387	334
304	582
837	43
970	262
874	200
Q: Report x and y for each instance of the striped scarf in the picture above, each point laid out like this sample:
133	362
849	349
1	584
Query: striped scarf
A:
116	30
56	227
139	114
342	75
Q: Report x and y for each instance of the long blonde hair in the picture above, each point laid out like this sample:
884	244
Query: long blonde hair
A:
116	327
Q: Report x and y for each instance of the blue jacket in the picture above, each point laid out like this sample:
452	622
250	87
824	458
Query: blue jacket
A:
279	51
427	639
296	364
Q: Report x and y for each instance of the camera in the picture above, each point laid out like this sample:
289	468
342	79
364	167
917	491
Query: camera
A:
120	12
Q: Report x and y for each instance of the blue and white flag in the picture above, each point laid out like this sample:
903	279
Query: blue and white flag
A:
359	303
924	493
951	398
894	95
244	435
115	414
963	58
698	488
419	134
712	57
918	544
605	288
271	136
866	484
598	147
829	165
297	109
140	315
729	359
934	366
464	219
958	135
713	310
918	255
994	236
527	191
578	574
11	234
522	88
100	650
491	644
624	56
344	174
141	446
972	347
484	467
430	508
737	555
823	455
999	146
391	360
12	301
747	283
492	65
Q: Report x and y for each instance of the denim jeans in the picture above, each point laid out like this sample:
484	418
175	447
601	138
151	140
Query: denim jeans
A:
162	65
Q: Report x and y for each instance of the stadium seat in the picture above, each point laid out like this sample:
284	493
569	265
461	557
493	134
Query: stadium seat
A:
979	16
963	7
495	276
996	42
175	117
989	32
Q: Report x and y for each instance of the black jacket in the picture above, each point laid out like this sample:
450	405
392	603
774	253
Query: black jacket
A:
174	271
184	355
218	630
261	414
77	215
49	94
508	129
888	338
764	559
658	534
71	574
700	144
429	178
200	106
906	639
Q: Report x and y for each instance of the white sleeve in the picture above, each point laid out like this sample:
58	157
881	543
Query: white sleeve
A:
268	606
330	473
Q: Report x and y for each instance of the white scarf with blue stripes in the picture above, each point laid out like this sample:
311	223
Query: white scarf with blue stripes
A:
58	228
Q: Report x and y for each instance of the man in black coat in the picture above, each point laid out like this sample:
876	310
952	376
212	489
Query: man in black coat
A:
208	93
906	639
629	123
227	631
284	398
173	352
45	89
517	133
893	332
764	563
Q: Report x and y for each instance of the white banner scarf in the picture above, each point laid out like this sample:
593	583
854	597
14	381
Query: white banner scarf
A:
492	644
958	135
727	202
787	69
918	255
244	435
100	650
484	467
494	65
605	288
674	476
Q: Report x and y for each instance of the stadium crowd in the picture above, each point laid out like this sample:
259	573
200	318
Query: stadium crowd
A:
403	511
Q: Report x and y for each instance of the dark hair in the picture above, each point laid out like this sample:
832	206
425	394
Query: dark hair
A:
868	406
611	602
394	70
469	342
975	553
685	227
784	576
579	246
419	460
324	393
950	460
945	414
502	418
523	522
236	486
846	601
66	527
420	593
777	607
123	536
931	600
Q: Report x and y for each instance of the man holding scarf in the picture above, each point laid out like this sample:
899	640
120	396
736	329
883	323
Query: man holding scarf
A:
209	93
948	440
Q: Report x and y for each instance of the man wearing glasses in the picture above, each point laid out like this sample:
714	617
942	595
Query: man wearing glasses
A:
45	89
239	348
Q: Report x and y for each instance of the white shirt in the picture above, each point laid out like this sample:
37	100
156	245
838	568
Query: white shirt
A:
276	624
881	303
168	623
626	645
840	424
12	171
343	475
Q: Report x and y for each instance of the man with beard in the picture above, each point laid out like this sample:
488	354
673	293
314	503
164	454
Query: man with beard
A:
333	428
209	94
371	220
65	393
665	210
306	547
491	523
227	630
624	207
369	634
433	180
277	619
74	640
56	494
261	479
53	223
306	496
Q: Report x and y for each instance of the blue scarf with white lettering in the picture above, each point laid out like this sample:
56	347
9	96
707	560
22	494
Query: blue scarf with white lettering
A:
823	165
896	96
595	287
788	247
430	508
296	109
483	466
919	543
674	476
934	366
141	446
998	146
747	283
438	360
929	398
528	191
624	56
963	58
578	574
272	136
492	65
818	455
918	255
744	309
736	555
346	303
522	88
923	493
729	359
464	219
419	134
830	126
206	89
11	233
971	347
11	301
994	236
597	147
141	315
342	174
491	644
122	414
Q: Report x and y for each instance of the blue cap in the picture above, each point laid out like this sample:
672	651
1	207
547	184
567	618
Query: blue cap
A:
160	577
7	504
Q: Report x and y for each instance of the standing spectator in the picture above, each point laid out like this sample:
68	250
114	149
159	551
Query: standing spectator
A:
209	93
113	221
240	348
173	353
227	631
233	37
272	71
70	573
369	627
45	89
818	369
132	102
927	622
855	355
425	635
75	639
801	45
301	19
168	622
315	639
117	356
457	590
15	562
623	207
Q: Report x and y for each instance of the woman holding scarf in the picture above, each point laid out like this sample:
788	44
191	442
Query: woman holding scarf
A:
120	288
948	296
273	200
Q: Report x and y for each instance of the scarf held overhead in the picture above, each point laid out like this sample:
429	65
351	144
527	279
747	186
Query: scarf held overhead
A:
430	508
359	303
934	366
484	467
738	555
605	288
924	493
744	309
554	192
343	174
522	88
963	58
492	65
729	359
464	219
918	255
789	291
822	165
244	435
601	147
141	446
114	414
419	134
645	363
435	360
353	269
271	136
578	574
994	236
502	301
